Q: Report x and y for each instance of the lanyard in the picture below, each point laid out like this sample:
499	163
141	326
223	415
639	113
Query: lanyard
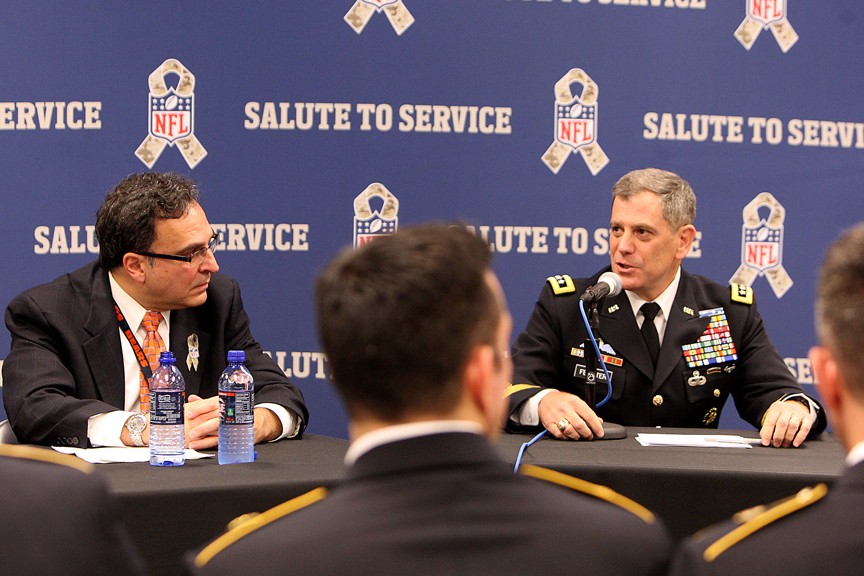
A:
136	348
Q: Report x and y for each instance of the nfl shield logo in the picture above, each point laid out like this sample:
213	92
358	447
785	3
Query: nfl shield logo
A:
171	116
762	246
373	227
380	4
766	11
575	124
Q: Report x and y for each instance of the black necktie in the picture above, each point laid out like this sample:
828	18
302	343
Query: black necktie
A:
649	331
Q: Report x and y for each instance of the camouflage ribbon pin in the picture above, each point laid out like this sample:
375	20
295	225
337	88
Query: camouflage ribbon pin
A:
193	354
171	115
360	14
368	224
762	245
762	15
575	124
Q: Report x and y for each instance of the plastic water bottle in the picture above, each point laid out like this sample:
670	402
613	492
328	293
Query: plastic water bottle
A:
236	414
167	396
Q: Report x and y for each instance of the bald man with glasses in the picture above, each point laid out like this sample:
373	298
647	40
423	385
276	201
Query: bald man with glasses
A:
72	376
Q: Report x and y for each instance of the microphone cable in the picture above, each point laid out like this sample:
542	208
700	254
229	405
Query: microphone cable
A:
526	445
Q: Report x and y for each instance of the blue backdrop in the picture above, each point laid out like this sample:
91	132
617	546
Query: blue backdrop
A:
314	125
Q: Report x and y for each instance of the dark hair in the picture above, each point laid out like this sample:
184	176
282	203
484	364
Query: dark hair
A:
840	305
126	220
677	200
398	318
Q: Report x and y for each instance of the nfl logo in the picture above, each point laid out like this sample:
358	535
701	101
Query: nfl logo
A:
762	246
575	124
171	116
373	227
766	11
380	4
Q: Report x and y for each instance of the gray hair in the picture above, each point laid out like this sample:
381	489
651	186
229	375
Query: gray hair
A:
677	199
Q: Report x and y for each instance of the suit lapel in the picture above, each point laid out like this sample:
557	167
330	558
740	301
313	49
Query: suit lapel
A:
103	352
684	326
618	328
183	327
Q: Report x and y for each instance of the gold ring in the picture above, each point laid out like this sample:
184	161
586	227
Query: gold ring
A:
562	424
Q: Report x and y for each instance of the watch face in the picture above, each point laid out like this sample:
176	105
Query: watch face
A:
137	423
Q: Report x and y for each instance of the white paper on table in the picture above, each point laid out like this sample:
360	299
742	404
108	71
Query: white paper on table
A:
128	454
698	440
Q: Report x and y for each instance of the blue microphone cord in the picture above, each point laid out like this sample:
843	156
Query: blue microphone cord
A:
599	355
525	445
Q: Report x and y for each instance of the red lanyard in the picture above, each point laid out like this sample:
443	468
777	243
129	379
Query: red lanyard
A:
136	348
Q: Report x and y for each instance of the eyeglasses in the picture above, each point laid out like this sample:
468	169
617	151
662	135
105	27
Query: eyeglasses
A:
195	256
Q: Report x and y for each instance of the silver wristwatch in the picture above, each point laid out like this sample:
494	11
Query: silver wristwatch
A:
136	425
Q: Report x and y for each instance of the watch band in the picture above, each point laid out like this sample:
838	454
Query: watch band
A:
136	425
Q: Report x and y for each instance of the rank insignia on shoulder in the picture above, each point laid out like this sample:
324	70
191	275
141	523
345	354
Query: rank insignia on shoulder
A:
561	284
741	293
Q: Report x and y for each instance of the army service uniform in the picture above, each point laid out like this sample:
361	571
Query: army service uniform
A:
715	344
816	531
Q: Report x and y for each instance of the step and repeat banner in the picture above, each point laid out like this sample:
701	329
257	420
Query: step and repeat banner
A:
315	125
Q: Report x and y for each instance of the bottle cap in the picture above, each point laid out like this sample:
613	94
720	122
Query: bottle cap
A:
166	358
236	356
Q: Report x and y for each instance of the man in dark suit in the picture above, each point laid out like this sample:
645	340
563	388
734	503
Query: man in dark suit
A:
416	330
59	519
709	340
72	374
767	539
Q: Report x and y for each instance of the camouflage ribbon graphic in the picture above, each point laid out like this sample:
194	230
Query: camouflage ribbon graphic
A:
192	354
360	14
161	134
761	16
369	224
558	152
762	230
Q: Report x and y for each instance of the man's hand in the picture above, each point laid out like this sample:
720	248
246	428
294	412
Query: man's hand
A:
267	425
561	407
202	422
785	424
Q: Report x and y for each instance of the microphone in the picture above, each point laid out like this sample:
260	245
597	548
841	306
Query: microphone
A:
609	284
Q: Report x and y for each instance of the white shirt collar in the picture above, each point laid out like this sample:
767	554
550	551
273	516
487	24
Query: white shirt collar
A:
665	300
397	432
132	310
855	455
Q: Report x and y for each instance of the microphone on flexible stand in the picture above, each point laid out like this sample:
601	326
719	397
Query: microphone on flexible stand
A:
609	284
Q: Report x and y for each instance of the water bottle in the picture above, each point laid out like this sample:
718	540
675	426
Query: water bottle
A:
167	396
236	414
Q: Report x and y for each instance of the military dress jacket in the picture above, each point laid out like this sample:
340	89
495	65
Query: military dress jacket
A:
715	344
816	531
57	518
445	503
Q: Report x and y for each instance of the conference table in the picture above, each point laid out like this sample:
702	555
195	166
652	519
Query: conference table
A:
172	510
688	487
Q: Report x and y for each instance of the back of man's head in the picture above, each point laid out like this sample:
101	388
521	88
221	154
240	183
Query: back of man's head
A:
399	317
126	220
840	307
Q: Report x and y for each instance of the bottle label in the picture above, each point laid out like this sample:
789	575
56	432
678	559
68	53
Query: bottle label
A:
166	407
236	407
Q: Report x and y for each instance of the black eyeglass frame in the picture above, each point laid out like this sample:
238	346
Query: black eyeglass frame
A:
214	240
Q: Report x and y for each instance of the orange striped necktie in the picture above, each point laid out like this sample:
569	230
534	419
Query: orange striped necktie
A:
153	345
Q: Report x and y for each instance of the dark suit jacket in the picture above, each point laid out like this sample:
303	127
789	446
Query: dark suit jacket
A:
56	517
810	535
447	504
546	355
66	363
